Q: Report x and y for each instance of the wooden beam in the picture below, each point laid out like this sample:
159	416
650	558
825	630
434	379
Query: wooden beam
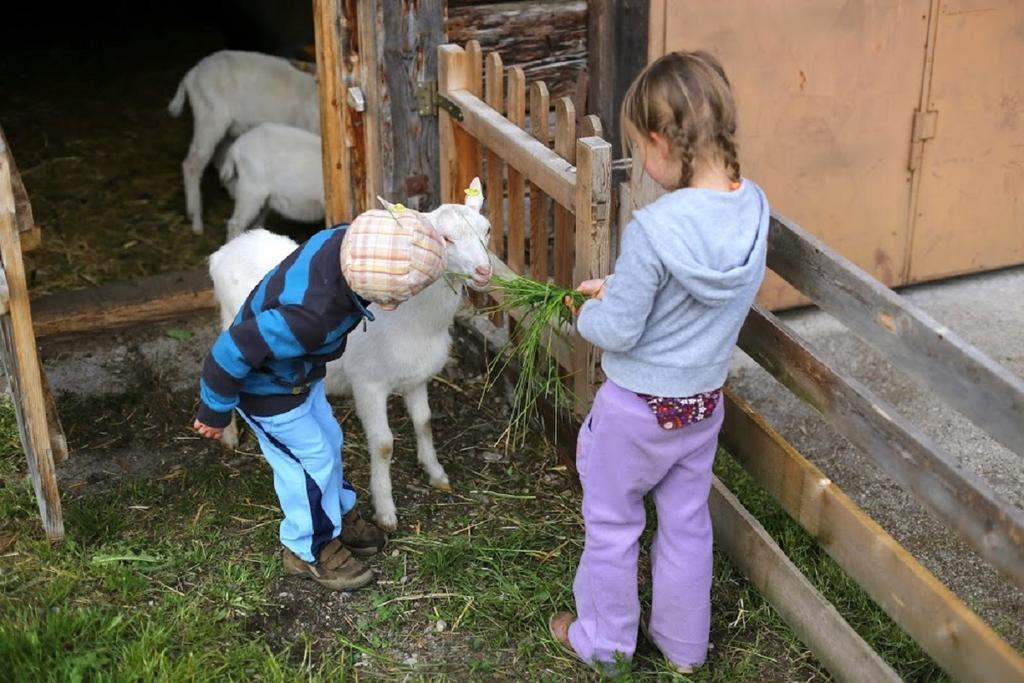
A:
553	174
617	33
22	364
960	498
412	32
813	618
964	377
121	304
331	29
452	72
954	636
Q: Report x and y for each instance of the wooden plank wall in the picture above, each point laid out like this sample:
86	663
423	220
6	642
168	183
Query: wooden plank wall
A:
547	38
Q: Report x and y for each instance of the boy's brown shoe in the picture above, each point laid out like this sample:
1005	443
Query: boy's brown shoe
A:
335	569
363	538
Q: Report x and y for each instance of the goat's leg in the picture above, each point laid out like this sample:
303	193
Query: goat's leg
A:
209	128
372	408
248	206
419	410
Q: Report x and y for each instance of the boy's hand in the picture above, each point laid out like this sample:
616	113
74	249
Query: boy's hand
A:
592	289
207	431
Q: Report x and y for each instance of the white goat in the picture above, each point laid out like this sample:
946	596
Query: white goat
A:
397	353
230	92
276	167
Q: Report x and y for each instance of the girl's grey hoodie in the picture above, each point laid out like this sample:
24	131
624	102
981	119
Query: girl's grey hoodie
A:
690	267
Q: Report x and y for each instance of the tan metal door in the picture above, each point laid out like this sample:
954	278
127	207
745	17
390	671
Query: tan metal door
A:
826	91
970	210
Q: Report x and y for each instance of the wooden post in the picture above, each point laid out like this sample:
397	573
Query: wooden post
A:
516	185
593	244
456	148
565	147
540	107
22	364
617	33
330	29
412	32
366	53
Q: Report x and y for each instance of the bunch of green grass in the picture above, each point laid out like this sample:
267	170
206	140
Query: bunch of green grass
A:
543	316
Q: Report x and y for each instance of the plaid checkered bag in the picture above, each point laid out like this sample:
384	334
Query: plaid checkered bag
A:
389	256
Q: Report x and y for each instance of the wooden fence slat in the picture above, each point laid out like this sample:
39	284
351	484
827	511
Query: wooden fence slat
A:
455	144
28	232
516	184
540	107
565	147
965	378
590	127
475	55
592	239
954	636
328	21
808	613
960	498
551	172
494	88
22	364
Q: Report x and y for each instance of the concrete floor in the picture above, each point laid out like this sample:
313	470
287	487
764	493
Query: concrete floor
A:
986	310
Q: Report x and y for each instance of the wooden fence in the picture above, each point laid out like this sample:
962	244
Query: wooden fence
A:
483	132
480	129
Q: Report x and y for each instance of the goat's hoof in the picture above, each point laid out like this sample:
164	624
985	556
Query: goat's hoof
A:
388	521
443	486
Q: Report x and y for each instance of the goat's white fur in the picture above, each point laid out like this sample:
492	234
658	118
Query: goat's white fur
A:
230	92
274	167
397	353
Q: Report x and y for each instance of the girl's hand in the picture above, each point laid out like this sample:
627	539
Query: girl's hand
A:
207	431
592	289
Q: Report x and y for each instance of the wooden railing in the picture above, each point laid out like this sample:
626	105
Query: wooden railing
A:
475	135
483	133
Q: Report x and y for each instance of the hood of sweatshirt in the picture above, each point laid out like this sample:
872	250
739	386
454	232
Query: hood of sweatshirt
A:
712	242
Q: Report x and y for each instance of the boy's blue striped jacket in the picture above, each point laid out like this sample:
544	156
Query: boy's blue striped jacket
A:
293	322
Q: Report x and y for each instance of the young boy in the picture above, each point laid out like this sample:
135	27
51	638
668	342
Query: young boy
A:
269	366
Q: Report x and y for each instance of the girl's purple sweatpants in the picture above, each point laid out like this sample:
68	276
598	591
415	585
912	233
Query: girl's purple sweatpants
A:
622	455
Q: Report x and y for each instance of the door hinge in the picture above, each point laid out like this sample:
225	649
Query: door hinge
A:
428	99
925	123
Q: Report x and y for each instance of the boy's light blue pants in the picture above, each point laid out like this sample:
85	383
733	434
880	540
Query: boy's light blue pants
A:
303	446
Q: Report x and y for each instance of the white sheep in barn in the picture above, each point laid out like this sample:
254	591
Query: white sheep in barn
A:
230	92
398	353
275	167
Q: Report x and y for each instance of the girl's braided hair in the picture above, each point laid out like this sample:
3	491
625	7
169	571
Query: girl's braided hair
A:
686	97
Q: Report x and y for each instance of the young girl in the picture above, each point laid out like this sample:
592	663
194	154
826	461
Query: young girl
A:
667	321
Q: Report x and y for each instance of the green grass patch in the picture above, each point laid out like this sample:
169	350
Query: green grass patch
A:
171	573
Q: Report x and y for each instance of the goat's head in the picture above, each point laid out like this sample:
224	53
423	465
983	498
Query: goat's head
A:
466	233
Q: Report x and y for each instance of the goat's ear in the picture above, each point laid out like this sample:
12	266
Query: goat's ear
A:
475	195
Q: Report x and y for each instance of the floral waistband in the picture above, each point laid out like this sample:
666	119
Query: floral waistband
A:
675	413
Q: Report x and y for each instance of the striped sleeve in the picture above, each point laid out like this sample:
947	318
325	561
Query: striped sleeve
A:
276	334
